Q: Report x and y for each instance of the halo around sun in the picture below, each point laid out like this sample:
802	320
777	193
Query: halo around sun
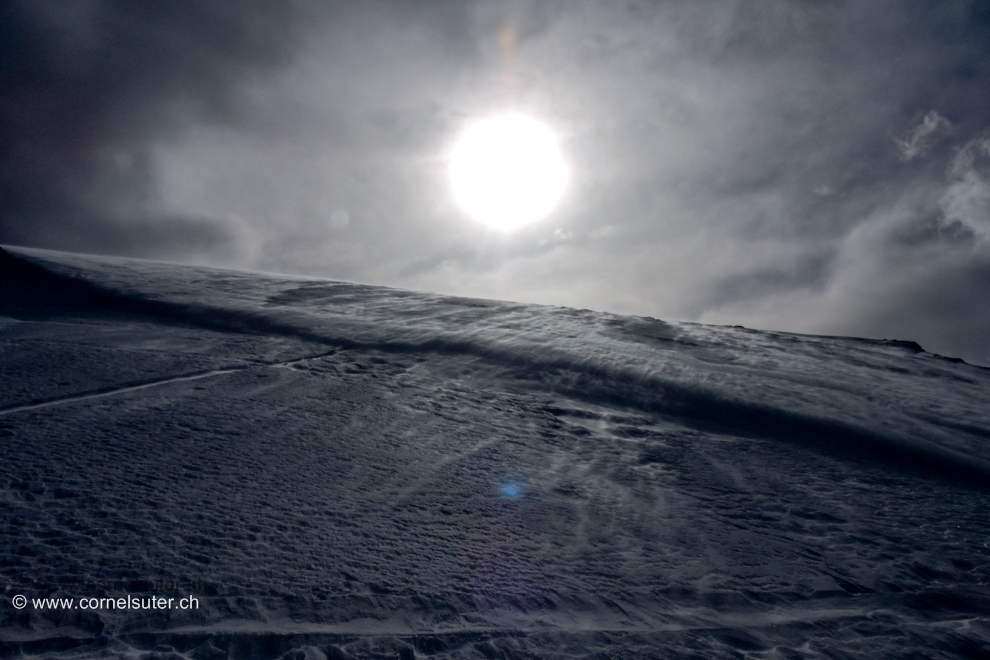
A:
507	171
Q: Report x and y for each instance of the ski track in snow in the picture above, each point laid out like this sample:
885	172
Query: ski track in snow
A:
114	391
155	383
383	474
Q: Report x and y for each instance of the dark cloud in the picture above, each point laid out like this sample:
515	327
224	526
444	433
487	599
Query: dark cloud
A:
817	166
87	85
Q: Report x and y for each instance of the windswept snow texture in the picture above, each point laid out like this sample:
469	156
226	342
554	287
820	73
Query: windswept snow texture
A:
350	471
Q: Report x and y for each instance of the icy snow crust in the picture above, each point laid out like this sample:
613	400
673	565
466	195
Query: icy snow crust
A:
357	471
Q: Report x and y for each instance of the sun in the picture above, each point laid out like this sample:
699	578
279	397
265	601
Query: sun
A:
507	171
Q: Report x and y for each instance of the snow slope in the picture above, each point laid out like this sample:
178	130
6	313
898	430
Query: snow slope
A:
356	471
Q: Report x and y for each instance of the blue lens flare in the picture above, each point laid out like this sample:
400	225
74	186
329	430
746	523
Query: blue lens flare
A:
511	490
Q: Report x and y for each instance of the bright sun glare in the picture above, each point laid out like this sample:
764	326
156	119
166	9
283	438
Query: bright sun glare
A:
507	171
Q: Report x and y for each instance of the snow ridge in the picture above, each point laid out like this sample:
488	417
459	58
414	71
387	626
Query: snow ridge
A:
794	388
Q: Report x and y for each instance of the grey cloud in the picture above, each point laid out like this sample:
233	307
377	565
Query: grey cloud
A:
919	140
967	198
86	86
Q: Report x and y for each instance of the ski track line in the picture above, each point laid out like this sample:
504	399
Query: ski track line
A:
443	462
155	383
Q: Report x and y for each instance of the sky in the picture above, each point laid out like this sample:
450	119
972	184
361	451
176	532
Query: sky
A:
815	166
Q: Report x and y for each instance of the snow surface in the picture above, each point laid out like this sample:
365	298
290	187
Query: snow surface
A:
356	471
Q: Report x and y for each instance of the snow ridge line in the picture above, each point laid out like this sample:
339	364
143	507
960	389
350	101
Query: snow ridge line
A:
559	370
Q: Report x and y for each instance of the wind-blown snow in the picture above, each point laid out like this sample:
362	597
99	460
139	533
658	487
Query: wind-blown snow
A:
351	470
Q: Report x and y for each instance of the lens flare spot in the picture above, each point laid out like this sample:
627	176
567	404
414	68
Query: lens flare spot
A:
511	490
